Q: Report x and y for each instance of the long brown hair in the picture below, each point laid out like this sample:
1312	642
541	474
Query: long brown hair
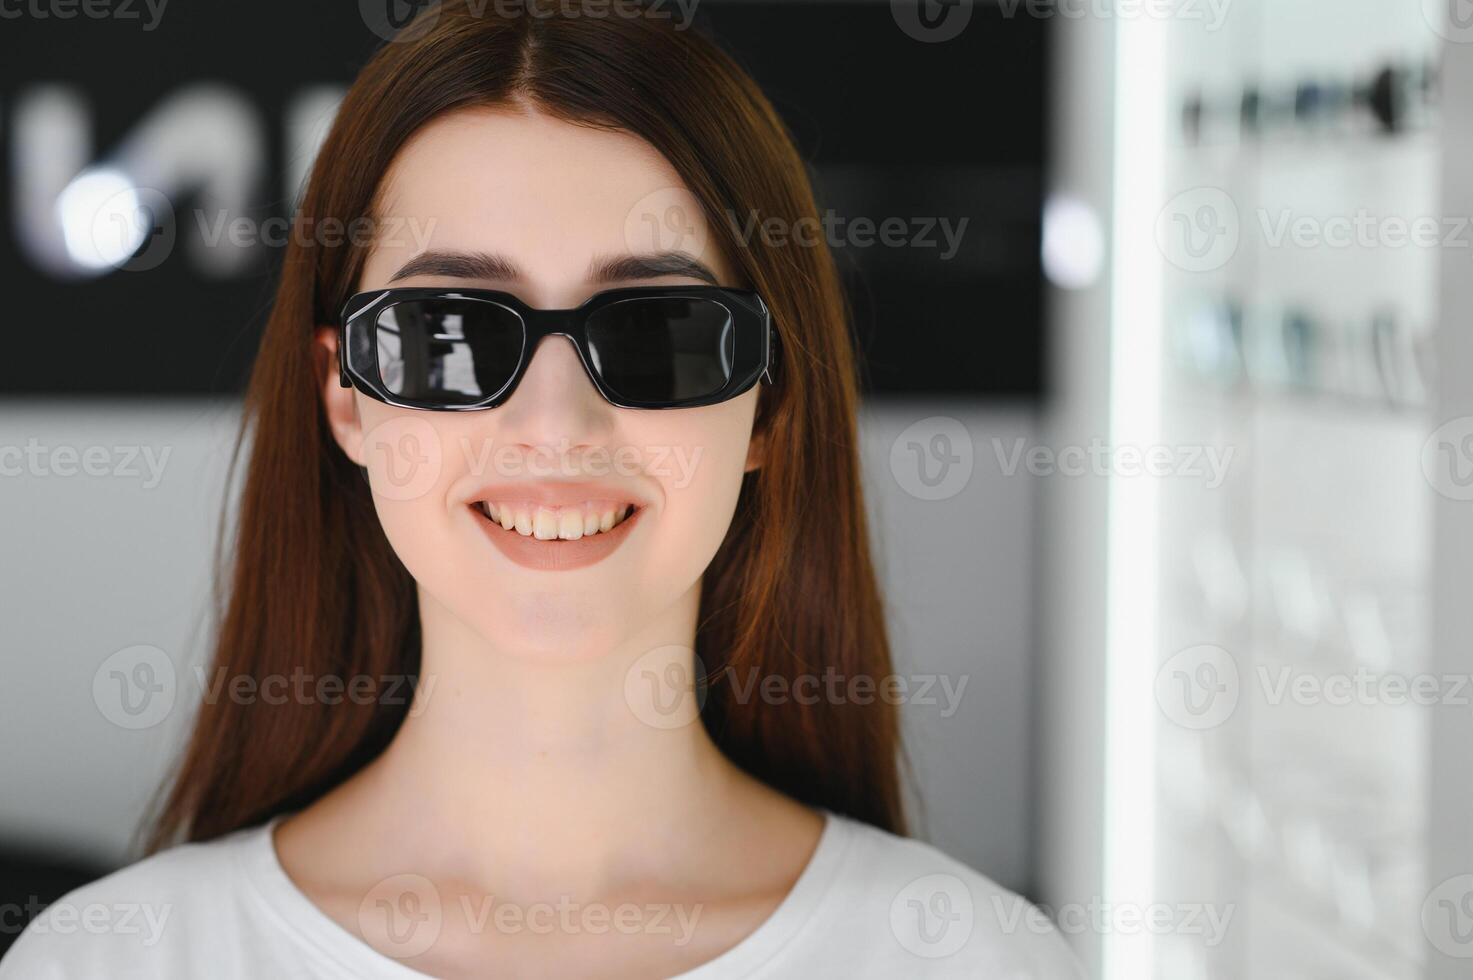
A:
315	587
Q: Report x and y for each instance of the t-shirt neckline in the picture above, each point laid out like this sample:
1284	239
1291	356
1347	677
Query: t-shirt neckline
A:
299	915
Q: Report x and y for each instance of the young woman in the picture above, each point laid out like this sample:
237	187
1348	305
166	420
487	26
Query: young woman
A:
555	448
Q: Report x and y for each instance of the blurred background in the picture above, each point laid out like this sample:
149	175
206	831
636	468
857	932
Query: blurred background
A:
1168	432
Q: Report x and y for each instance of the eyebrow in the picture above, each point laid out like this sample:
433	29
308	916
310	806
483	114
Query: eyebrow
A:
603	269
621	268
457	265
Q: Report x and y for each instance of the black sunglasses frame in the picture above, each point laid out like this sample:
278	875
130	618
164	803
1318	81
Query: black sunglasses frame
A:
754	358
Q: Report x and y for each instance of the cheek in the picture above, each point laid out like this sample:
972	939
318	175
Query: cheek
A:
700	455
409	457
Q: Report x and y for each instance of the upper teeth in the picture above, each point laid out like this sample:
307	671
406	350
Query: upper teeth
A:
547	523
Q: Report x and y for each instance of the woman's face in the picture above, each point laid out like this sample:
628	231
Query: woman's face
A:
553	213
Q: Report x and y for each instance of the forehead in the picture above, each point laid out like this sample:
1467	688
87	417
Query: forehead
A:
546	193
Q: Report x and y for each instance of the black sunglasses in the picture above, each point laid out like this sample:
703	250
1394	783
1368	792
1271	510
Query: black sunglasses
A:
643	347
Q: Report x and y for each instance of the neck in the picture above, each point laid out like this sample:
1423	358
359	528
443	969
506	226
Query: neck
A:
563	774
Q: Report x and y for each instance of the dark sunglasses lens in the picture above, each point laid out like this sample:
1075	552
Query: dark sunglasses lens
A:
447	351
663	349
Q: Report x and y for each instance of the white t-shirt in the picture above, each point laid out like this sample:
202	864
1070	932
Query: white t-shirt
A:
868	904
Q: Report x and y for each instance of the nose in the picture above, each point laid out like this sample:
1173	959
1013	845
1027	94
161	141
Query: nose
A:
555	404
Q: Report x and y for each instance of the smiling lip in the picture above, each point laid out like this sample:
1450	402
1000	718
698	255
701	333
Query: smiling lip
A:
556	555
558	552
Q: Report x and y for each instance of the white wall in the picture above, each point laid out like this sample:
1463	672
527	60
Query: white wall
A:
94	564
958	573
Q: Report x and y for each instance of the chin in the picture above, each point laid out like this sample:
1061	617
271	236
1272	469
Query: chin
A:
539	621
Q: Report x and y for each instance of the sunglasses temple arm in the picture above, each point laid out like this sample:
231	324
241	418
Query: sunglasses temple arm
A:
343	380
772	356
